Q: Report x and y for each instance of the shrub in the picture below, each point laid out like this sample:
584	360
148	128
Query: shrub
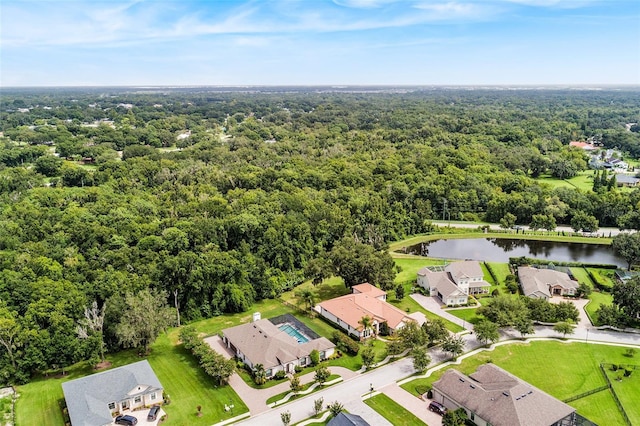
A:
627	372
298	369
345	343
422	389
280	374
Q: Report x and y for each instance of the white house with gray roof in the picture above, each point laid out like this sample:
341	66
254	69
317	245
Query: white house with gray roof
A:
94	400
455	282
493	397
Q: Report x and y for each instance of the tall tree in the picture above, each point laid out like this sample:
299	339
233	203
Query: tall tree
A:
486	331
628	247
626	295
145	316
357	263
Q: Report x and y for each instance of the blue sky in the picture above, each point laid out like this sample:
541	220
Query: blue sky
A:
319	42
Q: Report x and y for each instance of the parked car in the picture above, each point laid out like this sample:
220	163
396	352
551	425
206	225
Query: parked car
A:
126	420
438	408
153	413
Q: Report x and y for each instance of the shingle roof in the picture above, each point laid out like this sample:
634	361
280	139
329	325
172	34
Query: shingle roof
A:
465	268
537	281
264	343
351	308
88	397
501	398
346	419
443	283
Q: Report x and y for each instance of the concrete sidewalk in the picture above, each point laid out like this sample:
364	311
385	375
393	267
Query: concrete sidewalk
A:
432	305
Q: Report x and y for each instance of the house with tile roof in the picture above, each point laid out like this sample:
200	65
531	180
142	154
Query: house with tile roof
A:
94	400
545	283
492	396
365	300
276	345
455	282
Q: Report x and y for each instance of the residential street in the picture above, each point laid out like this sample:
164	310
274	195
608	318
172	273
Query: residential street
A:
384	379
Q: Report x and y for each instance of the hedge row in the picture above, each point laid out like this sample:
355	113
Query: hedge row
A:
345	343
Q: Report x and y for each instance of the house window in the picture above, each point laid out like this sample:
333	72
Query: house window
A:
303	361
269	373
153	396
137	399
112	406
473	415
322	355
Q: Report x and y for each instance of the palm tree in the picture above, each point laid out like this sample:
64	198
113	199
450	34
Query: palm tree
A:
307	297
259	375
367	324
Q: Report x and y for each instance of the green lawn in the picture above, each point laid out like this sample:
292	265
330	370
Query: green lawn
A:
628	391
582	276
597	299
501	270
183	380
604	277
574	370
600	405
410	267
583	181
392	411
469	315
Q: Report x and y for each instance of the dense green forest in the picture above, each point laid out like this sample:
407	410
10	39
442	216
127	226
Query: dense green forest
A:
214	199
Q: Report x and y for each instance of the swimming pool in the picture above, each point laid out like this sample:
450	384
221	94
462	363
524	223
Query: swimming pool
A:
293	332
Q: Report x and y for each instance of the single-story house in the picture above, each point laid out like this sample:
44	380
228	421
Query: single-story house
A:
365	300
455	282
629	181
94	400
277	345
492	396
346	419
545	283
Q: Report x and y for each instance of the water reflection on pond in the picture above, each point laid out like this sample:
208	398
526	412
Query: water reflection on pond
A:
501	249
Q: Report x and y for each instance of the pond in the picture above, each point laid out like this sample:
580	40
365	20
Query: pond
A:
501	249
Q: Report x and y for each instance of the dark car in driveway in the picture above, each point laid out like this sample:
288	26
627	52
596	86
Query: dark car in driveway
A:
126	420
153	413
438	408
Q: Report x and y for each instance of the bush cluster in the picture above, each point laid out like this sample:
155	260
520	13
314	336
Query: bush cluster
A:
211	362
345	343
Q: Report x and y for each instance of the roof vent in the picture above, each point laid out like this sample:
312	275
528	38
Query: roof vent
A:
505	394
472	387
530	392
461	379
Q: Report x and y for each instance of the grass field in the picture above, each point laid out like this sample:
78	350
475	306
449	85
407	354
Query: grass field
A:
597	299
469	315
392	411
583	181
628	391
183	380
566	376
582	276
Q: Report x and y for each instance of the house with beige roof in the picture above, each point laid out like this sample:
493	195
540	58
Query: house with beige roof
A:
545	283
279	343
493	397
365	300
455	282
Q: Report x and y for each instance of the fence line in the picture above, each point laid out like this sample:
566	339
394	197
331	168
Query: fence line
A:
591	392
615	397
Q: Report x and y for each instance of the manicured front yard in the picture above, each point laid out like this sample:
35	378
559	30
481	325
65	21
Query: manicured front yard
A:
392	411
574	370
183	379
595	300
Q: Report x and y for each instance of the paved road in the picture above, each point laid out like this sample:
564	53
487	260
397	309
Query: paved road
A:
603	232
351	392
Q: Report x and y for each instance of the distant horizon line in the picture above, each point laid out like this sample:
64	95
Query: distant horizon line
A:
333	86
